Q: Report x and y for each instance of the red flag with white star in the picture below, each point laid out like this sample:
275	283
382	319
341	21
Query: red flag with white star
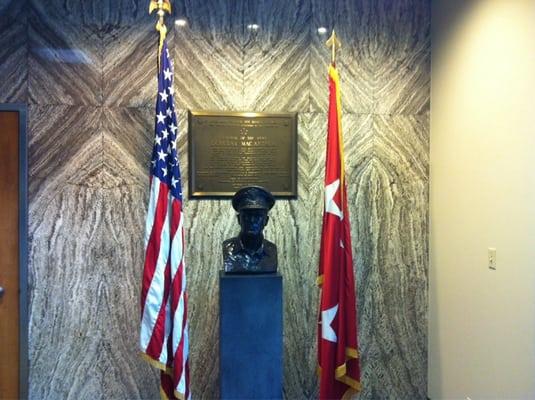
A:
337	329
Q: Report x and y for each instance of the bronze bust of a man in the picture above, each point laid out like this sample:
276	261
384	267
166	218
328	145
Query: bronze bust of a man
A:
249	252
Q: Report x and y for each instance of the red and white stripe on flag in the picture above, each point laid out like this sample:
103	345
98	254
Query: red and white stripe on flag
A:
337	329
164	340
164	331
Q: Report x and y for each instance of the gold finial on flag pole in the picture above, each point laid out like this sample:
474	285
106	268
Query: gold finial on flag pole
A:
334	44
162	6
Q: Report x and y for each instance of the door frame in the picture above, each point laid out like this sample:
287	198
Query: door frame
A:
23	246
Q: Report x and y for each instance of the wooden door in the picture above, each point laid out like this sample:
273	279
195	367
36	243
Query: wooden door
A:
9	254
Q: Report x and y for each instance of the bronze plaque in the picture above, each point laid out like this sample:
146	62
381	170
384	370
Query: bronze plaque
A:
230	150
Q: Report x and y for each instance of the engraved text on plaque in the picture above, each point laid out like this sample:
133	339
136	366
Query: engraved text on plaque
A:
230	150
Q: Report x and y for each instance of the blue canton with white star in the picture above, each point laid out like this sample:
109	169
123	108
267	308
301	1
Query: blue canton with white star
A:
164	164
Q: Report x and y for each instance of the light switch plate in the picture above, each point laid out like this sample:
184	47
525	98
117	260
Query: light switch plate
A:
492	258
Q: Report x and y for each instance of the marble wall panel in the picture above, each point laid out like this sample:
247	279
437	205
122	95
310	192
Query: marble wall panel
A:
355	26
65	52
13	51
208	56
120	261
207	85
128	135
124	45
65	326
384	61
126	34
390	207
277	62
403	57
84	298
64	147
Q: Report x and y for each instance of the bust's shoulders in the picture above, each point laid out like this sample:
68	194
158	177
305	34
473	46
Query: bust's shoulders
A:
269	247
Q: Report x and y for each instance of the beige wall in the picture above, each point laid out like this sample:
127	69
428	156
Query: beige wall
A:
482	194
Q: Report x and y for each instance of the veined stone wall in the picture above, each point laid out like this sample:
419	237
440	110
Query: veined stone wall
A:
87	71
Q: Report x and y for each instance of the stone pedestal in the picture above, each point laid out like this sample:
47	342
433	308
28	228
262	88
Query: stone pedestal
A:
250	338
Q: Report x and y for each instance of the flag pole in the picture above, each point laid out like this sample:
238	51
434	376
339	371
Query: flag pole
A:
162	6
337	329
164	338
334	44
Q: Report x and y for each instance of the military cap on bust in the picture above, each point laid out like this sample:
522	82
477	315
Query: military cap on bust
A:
252	197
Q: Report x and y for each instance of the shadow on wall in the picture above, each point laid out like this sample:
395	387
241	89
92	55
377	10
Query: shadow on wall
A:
446	17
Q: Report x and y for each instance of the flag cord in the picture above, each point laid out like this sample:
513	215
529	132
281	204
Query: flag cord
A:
162	6
162	28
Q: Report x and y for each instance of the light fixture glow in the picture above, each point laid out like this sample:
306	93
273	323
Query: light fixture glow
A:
250	114
253	27
322	30
181	22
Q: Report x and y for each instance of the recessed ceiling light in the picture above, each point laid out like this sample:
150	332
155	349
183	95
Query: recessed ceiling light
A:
181	22
322	30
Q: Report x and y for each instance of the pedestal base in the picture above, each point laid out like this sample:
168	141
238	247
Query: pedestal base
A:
250	339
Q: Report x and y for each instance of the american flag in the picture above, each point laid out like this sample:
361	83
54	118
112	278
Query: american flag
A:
164	323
